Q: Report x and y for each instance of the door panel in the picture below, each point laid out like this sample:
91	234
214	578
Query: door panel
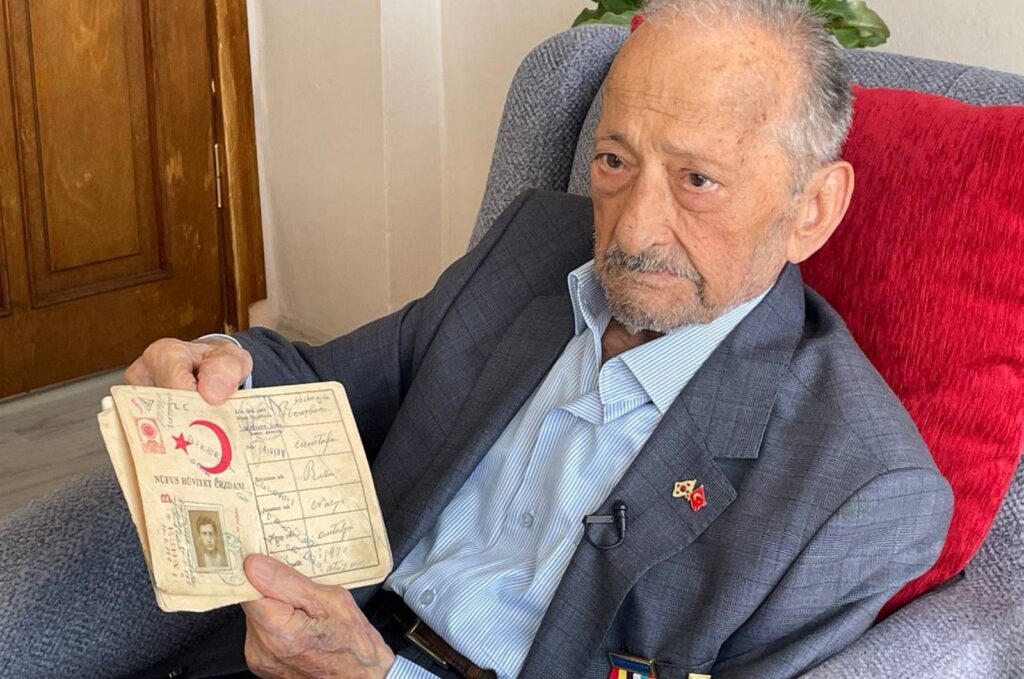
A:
111	232
87	151
84	56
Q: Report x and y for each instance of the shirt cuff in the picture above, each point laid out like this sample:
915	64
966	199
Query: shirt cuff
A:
403	668
247	384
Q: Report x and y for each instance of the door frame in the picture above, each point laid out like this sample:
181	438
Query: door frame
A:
245	278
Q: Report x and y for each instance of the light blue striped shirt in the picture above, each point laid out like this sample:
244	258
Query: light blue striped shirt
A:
484	576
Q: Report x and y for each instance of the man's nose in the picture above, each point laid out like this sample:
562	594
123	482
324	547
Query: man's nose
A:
648	214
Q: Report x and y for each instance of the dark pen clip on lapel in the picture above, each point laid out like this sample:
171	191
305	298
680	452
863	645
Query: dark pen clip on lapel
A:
618	517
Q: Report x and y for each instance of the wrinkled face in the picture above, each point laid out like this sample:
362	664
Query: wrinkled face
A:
208	536
691	186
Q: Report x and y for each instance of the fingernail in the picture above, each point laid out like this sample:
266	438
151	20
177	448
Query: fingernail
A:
262	568
218	388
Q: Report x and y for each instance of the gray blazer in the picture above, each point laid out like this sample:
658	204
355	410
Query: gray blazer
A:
822	500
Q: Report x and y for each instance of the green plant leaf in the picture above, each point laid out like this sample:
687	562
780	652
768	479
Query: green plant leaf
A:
607	12
587	16
611	18
852	22
620	6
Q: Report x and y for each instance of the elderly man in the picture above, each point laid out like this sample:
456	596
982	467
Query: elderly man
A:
756	492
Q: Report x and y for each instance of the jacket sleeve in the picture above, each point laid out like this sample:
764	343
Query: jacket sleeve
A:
377	362
886	534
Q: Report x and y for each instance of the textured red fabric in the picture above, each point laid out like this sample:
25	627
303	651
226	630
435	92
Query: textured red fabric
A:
927	270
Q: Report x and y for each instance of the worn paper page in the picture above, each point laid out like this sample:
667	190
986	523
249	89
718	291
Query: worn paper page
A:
124	469
279	471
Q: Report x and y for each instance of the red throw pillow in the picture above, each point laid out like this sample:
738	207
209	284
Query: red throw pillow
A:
927	270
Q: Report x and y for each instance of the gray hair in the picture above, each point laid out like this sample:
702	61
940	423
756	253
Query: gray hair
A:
824	108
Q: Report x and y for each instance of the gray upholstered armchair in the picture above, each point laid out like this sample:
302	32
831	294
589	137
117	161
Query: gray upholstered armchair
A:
972	627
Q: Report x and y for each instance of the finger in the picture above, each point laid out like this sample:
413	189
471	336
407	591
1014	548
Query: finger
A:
276	580
138	375
170	364
269	614
221	371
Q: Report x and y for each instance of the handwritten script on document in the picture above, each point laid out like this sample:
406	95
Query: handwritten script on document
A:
279	471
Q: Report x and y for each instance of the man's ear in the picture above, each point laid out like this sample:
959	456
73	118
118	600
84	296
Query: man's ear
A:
823	205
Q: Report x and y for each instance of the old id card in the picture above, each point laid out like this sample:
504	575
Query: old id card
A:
279	471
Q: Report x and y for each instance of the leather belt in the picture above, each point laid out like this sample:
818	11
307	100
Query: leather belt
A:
430	642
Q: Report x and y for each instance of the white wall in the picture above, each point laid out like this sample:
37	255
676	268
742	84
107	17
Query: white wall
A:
986	33
414	117
376	120
483	45
319	106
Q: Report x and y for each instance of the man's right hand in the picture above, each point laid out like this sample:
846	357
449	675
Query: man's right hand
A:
213	367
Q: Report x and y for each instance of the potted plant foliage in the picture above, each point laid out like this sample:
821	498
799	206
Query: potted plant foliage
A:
852	22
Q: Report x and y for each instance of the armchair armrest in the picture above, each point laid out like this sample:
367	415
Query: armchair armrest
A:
75	597
970	628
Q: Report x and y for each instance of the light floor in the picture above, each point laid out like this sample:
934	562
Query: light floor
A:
50	436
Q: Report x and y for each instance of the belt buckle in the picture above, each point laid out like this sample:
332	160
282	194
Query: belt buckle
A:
415	639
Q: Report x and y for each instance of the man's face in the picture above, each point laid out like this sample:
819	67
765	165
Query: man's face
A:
208	536
692	189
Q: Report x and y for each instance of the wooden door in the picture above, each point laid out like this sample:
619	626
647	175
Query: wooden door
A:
111	235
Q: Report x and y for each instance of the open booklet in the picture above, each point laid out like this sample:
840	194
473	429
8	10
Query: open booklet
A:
279	471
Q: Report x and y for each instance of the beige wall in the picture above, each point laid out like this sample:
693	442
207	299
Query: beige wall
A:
320	135
986	33
483	45
376	120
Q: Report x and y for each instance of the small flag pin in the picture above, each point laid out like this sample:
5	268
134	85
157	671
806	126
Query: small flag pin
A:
692	493
683	489
628	666
697	499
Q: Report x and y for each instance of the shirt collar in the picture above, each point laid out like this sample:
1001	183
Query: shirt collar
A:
662	366
589	305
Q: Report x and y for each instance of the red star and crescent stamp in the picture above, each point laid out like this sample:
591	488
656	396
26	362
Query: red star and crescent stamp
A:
181	443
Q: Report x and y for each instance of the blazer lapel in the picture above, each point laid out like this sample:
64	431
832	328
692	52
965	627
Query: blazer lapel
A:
722	413
523	357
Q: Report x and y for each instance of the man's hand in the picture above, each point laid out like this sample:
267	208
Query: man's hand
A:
302	629
213	367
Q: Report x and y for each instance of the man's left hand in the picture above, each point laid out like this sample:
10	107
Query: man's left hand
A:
302	629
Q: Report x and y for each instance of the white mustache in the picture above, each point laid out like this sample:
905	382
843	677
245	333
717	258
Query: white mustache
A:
649	261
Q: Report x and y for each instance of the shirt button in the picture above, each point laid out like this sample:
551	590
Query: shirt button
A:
427	597
526	519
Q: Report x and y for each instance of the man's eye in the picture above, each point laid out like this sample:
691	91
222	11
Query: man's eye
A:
699	181
611	161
